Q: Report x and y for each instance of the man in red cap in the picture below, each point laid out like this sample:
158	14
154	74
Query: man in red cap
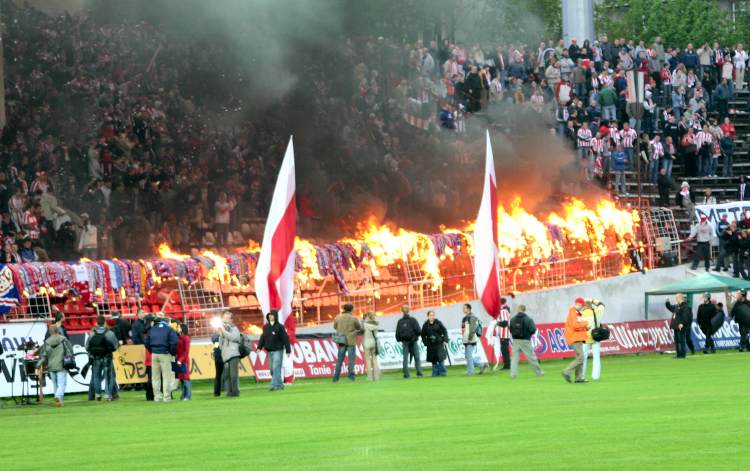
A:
702	233
576	333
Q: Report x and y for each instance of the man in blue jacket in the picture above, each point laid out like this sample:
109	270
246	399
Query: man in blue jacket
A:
162	343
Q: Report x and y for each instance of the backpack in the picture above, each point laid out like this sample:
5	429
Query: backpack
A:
98	345
243	348
403	331
517	329
478	328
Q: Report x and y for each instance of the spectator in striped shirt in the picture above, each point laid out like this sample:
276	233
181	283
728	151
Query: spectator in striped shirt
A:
597	149
585	157
628	136
499	336
704	143
656	152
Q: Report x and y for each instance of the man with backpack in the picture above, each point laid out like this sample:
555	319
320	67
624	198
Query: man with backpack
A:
162	343
230	339
275	340
100	345
522	328
471	332
408	332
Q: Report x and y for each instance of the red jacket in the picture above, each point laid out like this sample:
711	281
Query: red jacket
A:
728	130
183	355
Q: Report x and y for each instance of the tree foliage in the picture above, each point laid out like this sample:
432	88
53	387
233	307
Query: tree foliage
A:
678	22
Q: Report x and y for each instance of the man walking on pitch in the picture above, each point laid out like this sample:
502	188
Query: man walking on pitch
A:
522	328
471	332
348	326
576	333
408	332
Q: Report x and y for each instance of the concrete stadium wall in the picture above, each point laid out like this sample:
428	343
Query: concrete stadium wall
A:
623	297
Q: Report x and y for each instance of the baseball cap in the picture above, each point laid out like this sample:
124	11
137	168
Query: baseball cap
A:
703	218
580	300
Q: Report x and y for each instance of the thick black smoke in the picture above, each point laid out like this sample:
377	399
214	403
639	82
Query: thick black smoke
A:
293	67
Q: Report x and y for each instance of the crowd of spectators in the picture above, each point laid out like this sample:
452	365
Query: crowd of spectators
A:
683	114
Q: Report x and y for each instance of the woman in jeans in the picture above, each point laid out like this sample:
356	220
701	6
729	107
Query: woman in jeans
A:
53	351
370	346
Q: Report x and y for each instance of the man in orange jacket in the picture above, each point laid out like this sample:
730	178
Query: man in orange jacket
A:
576	334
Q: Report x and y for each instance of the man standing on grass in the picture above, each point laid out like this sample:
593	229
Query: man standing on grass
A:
576	333
522	328
471	333
275	340
348	326
408	332
706	313
229	344
681	318
162	343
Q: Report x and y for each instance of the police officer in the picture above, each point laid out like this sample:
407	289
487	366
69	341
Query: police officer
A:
681	318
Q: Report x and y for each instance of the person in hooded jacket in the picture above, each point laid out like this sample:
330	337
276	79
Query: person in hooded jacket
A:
53	352
276	341
100	345
435	336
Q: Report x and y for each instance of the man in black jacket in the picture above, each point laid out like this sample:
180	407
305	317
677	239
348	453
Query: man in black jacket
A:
664	182
408	332
138	328
276	341
121	328
522	328
741	314
682	316
706	312
724	230
474	88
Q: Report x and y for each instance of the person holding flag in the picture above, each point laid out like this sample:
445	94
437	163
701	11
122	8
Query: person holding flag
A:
274	275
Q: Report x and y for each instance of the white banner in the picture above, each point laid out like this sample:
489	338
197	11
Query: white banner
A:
714	212
12	371
391	357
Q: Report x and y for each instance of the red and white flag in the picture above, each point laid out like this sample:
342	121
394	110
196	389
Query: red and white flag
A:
486	263
274	274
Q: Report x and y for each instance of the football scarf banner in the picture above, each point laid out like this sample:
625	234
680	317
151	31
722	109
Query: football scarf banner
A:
8	291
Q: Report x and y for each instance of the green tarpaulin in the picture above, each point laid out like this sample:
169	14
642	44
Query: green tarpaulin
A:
705	283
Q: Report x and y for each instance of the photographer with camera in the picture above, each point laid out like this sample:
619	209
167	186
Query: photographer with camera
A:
592	313
435	337
229	344
347	328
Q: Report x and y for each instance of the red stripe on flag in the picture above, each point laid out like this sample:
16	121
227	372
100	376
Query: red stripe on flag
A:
491	294
493	205
282	245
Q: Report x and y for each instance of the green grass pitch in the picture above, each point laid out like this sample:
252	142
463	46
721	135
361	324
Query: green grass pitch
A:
647	412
